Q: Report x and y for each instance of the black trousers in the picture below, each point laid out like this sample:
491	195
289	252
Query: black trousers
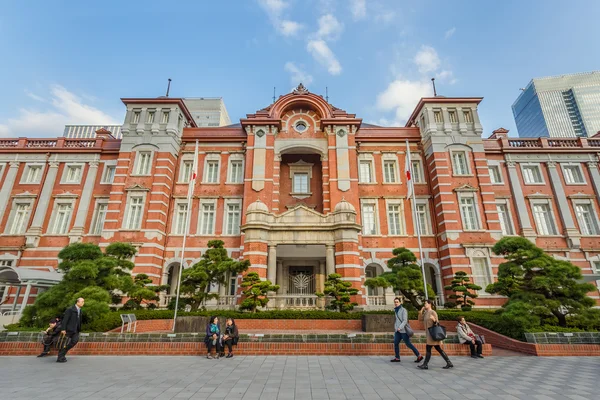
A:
48	341
472	346
229	344
209	345
439	350
73	340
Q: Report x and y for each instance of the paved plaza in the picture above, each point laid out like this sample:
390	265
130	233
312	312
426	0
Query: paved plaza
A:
287	377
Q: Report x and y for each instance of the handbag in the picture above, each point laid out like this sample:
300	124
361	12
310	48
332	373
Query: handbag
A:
409	331
62	342
481	338
437	332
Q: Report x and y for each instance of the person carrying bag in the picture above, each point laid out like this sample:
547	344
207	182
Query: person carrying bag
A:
435	334
402	331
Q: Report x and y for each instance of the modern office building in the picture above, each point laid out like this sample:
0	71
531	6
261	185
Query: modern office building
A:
300	188
559	106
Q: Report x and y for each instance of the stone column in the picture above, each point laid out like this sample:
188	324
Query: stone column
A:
594	173
272	264
84	203
7	186
33	233
321	276
280	276
522	213
330	259
14	306
563	207
26	297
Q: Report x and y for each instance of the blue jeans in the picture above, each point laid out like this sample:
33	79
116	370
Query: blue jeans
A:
398	336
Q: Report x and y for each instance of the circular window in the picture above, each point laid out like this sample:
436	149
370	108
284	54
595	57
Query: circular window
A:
301	126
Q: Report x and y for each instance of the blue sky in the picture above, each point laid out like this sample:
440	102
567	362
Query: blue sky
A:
71	61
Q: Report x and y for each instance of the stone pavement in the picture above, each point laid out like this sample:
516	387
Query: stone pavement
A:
284	377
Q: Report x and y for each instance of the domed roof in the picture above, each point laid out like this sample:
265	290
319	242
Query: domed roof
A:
344	206
257	206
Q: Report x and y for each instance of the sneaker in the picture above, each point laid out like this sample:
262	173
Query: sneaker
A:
423	366
209	357
419	359
474	356
395	360
61	360
480	356
229	355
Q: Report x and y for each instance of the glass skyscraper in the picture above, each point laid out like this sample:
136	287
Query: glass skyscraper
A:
559	106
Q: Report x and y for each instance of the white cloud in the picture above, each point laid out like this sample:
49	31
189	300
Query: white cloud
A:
324	56
402	96
65	108
358	9
446	76
34	96
385	17
449	32
297	75
275	10
427	59
329	27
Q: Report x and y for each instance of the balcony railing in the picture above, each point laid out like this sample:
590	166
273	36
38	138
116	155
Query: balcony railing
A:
376	300
298	301
59	143
540	143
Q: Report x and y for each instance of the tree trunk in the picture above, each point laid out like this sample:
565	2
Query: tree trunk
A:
562	318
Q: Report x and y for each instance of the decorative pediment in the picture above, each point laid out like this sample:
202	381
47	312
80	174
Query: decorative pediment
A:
66	195
25	194
300	89
137	187
581	195
466	188
309	206
538	195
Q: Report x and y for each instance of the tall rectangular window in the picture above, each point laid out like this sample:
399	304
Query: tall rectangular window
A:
468	116
437	116
504	218
453	117
532	174
423	219
389	171
597	266
481	273
495	174
365	173
61	219
587	220
469	214
33	174
134	214
73	174
543	219
186	170
109	174
236	174
394	223
232	226
99	217
165	117
459	163
368	219
143	163
136	117
19	222
573	174
151	117
417	172
180	219
300	182
232	285
212	171
207	219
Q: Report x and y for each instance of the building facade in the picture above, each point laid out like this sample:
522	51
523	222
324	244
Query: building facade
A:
559	106
302	190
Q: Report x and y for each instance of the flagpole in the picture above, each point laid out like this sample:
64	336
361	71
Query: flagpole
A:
185	230
416	220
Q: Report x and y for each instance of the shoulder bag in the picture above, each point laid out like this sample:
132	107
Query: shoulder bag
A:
437	332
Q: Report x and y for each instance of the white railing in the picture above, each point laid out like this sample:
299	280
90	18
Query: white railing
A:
376	300
226	301
297	301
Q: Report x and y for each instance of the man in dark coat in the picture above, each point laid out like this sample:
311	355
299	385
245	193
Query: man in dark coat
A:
50	336
71	326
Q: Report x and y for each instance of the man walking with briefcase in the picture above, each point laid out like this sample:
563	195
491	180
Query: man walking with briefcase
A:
71	326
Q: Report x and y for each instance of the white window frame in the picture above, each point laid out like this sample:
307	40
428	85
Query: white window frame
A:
26	172
417	165
453	116
135	116
301	168
401	220
438	116
525	166
596	266
206	202
554	227
493	180
237	159
511	226
386	159
185	174
366	158
105	174
165	115
137	171
374	203
67	170
471	196
211	158
487	276
97	217
130	195
455	171
428	231
565	167
236	230
593	216
178	224
468	116
13	213
150	116
53	228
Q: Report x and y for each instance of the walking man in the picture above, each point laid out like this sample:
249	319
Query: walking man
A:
401	328
71	326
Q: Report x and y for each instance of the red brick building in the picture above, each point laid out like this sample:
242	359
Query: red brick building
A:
301	189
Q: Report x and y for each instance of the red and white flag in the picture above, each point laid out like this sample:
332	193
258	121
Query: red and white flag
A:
194	174
407	168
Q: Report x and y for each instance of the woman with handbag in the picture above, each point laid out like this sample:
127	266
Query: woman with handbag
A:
435	334
402	331
466	336
231	336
